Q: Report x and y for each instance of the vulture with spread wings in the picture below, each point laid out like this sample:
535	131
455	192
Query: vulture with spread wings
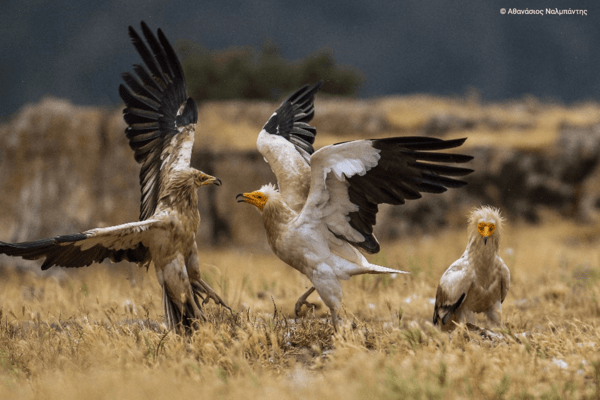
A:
325	207
161	122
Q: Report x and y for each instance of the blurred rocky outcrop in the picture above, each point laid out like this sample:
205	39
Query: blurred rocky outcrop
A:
65	169
565	178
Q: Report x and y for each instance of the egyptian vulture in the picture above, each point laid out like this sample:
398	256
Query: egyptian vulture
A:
479	280
325	206
161	122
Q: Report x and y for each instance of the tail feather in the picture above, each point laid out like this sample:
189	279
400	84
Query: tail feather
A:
378	269
172	313
181	317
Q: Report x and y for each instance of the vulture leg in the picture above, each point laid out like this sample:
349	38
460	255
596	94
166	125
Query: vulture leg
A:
199	286
302	301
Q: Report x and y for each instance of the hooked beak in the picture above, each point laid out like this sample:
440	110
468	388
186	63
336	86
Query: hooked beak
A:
256	198
213	181
484	240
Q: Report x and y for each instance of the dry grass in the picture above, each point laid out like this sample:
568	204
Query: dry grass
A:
96	333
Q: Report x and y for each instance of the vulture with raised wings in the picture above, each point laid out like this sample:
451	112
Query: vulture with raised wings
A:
161	122
478	281
326	202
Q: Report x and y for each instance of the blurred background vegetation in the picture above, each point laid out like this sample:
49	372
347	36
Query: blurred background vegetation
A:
245	73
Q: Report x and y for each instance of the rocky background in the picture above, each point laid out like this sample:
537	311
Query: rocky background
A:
65	168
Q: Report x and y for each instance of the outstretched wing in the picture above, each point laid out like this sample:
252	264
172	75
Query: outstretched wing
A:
117	243
161	117
349	180
286	144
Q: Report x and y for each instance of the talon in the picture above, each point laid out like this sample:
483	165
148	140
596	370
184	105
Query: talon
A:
298	307
302	301
210	294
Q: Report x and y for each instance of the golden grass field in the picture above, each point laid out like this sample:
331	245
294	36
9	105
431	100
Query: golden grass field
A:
97	333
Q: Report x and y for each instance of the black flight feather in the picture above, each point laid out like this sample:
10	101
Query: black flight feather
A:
154	99
291	119
63	251
401	175
449	311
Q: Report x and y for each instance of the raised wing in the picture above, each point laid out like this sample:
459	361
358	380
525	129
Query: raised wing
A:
349	180
117	243
286	144
161	117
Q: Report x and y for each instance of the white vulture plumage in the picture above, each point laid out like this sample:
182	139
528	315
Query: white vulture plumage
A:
325	207
161	122
479	280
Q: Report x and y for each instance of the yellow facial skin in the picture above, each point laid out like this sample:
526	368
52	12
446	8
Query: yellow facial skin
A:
256	198
486	229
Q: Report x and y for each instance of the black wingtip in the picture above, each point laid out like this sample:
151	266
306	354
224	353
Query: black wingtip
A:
144	26
133	35
452	309
460	141
291	119
154	95
370	244
159	89
317	86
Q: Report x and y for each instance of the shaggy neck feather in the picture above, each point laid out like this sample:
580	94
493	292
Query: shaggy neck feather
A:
276	215
180	193
483	256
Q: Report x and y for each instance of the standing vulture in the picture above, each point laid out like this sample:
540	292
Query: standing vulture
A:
161	121
327	201
478	281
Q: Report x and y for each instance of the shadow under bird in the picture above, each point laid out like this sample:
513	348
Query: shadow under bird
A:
161	122
326	203
479	280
